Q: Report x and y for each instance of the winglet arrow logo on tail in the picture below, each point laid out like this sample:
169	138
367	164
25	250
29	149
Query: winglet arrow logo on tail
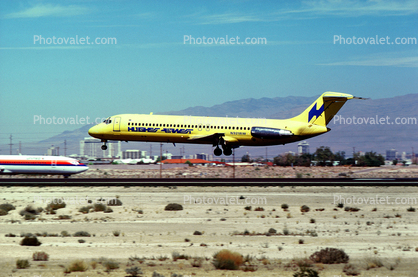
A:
314	112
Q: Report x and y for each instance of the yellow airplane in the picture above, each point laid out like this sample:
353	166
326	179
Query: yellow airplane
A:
226	132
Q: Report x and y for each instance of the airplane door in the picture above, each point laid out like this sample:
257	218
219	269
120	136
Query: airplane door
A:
116	124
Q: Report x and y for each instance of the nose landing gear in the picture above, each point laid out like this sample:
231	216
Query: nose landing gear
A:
104	146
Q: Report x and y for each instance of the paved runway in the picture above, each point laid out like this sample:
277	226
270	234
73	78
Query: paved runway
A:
207	182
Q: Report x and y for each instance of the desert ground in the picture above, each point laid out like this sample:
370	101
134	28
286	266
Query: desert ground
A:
381	238
198	171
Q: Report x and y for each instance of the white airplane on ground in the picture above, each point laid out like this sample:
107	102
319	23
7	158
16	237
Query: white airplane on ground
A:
54	165
134	161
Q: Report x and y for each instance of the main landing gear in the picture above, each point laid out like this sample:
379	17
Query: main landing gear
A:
104	146
226	149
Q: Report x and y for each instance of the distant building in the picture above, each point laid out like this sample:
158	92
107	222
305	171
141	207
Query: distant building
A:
91	147
303	148
201	156
131	154
53	151
391	154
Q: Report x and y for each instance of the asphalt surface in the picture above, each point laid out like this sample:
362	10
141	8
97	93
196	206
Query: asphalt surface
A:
152	182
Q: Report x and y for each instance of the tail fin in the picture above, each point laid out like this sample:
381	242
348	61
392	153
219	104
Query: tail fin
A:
324	108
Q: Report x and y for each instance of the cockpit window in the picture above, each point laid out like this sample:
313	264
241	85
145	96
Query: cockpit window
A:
107	121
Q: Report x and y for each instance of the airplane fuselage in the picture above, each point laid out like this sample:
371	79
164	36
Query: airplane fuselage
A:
227	132
54	165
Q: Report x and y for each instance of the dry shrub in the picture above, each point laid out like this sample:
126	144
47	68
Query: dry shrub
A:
76	266
304	209
81	234
30	210
40	256
21	264
373	263
173	207
99	207
329	256
7	207
30	241
303	262
265	261
114	202
134	271
350	270
306	272
226	259
85	209
197	262
110	265
55	204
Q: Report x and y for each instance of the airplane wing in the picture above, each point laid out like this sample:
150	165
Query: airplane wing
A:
213	137
208	138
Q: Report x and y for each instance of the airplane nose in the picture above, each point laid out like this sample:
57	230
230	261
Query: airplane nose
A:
94	131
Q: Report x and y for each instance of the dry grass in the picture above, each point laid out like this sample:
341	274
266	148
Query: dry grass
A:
76	266
226	259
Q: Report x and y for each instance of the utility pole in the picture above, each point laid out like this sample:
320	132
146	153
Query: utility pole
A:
161	159
413	156
65	148
233	163
354	157
266	156
11	144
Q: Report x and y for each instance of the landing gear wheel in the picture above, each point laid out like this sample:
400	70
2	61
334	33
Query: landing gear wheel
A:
227	151
104	147
217	151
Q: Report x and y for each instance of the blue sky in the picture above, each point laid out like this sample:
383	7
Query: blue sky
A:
151	69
